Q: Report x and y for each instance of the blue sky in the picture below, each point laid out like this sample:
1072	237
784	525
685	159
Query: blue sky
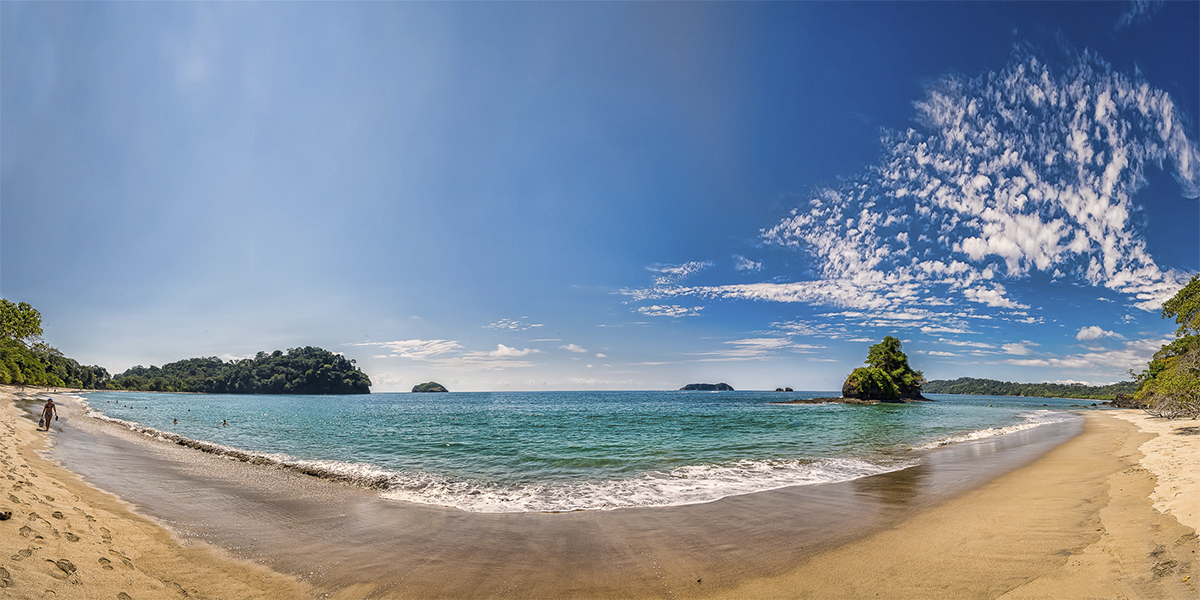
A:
614	195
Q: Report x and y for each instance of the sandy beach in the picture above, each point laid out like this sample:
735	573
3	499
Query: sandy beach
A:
1109	512
66	539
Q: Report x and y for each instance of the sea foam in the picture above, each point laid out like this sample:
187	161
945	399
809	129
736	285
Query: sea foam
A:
693	484
681	485
1031	419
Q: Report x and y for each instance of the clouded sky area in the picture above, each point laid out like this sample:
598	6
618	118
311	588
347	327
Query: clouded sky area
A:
527	196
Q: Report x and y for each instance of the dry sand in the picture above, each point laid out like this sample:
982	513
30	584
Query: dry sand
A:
1077	523
1173	456
67	539
1083	521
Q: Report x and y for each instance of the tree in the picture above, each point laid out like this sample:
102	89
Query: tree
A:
1175	391
1184	307
20	322
886	377
1170	385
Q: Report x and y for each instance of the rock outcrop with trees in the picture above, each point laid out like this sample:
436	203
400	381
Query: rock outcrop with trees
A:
431	386
887	376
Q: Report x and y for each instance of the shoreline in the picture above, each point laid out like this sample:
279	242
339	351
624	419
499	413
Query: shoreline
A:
759	545
67	538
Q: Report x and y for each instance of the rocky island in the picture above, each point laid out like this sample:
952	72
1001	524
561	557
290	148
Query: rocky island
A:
431	386
886	378
707	387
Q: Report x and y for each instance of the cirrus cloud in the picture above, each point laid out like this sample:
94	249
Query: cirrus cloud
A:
1026	170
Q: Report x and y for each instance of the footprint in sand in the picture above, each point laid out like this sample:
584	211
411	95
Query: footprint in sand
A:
105	563
5	578
71	537
62	569
106	535
57	515
14	499
123	596
25	531
124	559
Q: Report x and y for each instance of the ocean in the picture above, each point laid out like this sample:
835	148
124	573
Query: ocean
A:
508	452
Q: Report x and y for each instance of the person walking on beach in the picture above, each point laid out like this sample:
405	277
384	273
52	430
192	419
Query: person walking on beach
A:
49	410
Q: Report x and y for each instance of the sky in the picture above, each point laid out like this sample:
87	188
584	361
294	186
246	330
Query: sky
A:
590	196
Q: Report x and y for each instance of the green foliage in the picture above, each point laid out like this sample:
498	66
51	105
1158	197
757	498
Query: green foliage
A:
21	366
1170	384
888	375
1184	307
431	386
1159	362
306	370
1175	390
25	360
991	387
20	322
873	382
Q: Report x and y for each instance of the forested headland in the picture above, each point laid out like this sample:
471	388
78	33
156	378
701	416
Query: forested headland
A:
307	370
991	387
25	359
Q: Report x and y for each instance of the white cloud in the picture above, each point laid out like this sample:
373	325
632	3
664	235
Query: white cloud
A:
601	355
521	324
1018	349
742	263
503	351
573	348
1139	11
1092	333
967	344
448	353
993	296
756	348
1134	354
672	310
939	353
418	349
1028	362
1021	171
671	274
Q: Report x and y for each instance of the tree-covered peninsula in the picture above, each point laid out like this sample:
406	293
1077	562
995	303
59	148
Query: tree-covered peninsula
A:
307	370
992	387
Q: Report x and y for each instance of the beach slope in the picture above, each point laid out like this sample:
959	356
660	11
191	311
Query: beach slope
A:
67	539
1079	522
1107	513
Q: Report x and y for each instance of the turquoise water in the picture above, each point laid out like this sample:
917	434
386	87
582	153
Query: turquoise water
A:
554	451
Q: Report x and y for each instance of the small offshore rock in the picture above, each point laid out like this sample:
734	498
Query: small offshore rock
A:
431	386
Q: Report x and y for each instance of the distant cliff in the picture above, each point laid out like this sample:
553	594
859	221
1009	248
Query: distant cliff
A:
706	387
431	386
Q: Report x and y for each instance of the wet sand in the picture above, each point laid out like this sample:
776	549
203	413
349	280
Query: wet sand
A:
67	539
1011	515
